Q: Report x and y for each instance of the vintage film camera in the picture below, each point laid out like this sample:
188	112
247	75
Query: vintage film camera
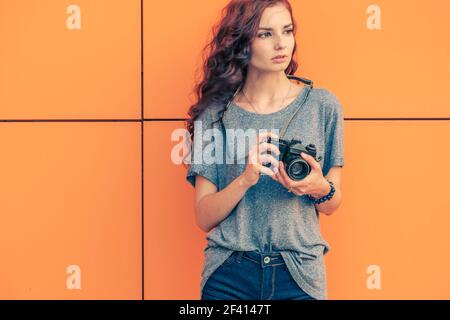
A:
296	167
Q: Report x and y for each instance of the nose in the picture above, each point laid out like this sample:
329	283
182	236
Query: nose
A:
280	42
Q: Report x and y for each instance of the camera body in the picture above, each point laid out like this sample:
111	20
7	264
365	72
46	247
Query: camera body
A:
296	167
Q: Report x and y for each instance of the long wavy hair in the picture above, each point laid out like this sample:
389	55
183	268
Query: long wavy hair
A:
227	56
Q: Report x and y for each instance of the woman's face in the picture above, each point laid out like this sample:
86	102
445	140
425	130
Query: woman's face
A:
275	37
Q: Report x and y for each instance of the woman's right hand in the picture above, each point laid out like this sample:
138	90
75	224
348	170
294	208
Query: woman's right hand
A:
256	160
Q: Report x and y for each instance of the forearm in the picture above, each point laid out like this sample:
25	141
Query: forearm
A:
214	208
328	207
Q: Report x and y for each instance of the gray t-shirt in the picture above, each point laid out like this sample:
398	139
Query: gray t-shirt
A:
268	217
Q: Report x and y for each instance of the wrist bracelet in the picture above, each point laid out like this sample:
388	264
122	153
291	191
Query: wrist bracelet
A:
324	198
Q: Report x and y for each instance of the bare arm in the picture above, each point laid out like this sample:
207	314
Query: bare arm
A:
330	206
212	207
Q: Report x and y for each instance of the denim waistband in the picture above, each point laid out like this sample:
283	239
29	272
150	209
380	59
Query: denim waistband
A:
260	258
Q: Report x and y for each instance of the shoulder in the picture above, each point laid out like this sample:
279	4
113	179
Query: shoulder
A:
210	114
327	101
209	118
326	97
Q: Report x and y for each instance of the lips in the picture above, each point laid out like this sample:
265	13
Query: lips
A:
279	57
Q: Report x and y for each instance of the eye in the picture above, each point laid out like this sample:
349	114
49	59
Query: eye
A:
263	35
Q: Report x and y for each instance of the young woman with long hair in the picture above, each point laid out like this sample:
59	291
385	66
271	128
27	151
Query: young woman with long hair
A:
262	222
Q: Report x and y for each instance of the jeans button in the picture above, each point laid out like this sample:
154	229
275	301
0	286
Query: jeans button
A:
266	260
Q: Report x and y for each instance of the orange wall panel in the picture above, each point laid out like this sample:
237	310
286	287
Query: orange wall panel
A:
50	69
70	196
174	33
394	213
401	70
173	242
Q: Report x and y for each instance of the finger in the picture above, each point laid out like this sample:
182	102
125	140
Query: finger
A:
267	158
265	170
262	138
311	161
277	173
254	154
276	176
279	179
266	134
265	146
286	181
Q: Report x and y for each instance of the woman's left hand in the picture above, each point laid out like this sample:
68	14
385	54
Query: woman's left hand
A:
314	184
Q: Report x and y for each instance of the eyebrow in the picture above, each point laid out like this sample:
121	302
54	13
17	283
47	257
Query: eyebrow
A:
286	26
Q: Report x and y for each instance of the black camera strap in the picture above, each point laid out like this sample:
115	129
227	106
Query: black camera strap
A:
308	86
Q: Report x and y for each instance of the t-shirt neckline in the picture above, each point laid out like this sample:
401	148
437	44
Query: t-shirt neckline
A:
278	112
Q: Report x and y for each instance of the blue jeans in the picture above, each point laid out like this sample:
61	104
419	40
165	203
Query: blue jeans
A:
252	275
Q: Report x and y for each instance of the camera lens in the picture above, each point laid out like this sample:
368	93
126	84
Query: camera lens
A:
298	169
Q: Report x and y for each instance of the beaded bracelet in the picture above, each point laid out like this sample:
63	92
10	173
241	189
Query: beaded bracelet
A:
324	198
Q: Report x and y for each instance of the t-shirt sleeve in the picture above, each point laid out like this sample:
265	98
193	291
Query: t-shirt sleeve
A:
334	134
203	152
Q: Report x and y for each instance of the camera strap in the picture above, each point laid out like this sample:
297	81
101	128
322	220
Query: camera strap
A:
308	86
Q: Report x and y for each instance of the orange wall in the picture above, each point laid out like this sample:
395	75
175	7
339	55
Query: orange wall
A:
71	191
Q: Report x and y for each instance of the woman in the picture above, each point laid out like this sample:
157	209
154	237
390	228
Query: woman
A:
264	239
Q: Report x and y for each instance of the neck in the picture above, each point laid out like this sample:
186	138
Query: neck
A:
265	88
